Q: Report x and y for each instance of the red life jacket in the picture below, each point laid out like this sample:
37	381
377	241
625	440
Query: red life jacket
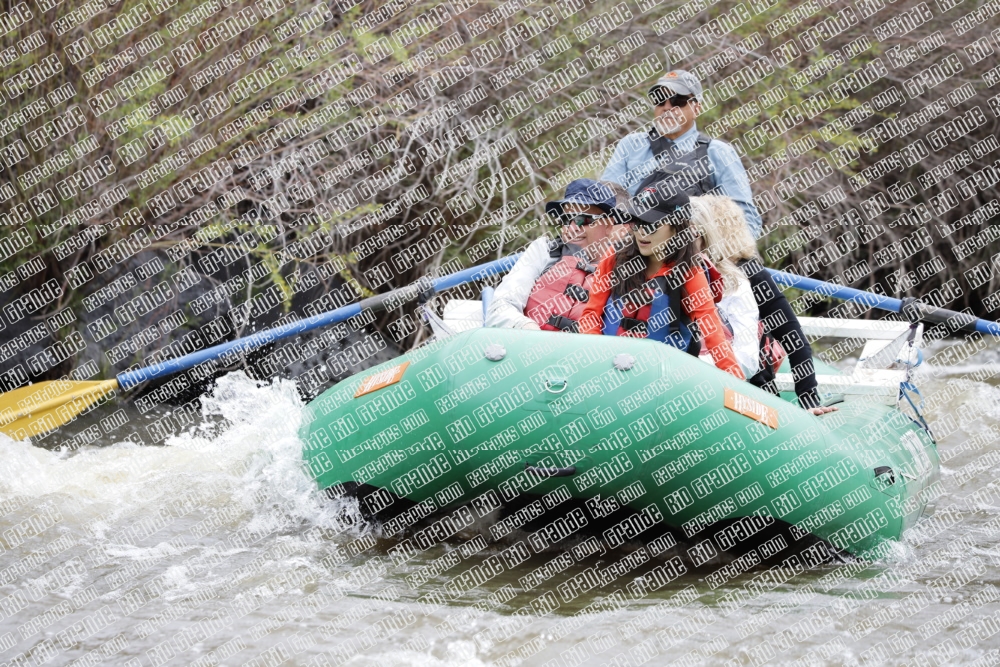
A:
558	298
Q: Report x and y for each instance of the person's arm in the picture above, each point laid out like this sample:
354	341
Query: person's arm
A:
592	319
785	327
700	307
733	182
506	310
741	312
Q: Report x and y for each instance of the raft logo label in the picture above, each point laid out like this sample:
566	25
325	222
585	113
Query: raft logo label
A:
748	407
382	379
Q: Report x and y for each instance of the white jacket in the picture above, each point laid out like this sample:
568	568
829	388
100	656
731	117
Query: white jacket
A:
740	310
506	310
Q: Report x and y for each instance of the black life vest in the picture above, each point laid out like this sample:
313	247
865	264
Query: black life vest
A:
689	172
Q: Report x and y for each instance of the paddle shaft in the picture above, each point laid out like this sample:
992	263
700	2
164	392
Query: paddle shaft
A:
926	312
386	301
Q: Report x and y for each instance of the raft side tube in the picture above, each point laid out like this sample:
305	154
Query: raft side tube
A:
474	417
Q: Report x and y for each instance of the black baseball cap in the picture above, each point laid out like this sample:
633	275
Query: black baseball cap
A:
657	201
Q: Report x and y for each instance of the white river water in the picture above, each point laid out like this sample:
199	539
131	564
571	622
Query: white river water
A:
217	549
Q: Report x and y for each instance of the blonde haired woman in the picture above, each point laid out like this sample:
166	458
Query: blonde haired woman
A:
727	241
737	306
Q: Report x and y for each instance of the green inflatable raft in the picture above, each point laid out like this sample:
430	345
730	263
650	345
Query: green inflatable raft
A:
555	434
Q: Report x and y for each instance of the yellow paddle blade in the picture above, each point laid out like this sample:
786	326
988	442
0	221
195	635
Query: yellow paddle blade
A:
44	406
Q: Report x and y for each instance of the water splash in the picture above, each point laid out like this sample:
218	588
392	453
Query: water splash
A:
243	457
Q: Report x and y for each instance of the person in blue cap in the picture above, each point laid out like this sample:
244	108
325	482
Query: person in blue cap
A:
674	154
550	283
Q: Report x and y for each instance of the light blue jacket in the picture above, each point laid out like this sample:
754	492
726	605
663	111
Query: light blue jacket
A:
633	161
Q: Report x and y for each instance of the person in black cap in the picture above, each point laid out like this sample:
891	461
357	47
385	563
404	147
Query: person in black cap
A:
549	285
675	152
653	286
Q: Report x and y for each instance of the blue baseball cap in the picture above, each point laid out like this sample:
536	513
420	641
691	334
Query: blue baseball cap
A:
586	192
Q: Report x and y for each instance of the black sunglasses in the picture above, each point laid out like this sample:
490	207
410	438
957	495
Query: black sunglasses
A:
580	219
659	97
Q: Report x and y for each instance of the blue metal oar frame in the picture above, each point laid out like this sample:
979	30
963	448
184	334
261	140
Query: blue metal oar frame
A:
873	300
400	296
130	379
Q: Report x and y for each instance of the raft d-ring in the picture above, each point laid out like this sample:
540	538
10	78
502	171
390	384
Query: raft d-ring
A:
561	382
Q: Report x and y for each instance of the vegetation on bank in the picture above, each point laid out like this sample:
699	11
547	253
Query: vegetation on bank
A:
380	143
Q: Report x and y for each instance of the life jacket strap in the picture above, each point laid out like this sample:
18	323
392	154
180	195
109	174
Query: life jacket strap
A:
670	163
563	323
577	293
636	326
559	249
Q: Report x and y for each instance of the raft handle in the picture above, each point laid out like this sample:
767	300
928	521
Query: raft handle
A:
549	472
562	383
